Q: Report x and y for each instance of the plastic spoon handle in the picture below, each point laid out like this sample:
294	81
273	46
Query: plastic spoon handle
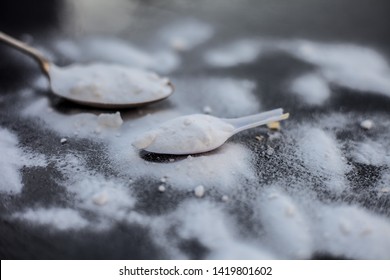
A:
44	63
251	121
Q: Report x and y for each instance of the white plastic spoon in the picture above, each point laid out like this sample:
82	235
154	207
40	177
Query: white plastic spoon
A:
200	133
99	85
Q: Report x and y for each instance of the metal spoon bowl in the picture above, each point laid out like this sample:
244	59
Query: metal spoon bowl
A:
98	85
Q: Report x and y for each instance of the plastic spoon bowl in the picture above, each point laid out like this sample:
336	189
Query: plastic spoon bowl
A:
200	133
98	85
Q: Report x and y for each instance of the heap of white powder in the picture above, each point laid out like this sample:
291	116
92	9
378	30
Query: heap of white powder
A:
283	191
108	84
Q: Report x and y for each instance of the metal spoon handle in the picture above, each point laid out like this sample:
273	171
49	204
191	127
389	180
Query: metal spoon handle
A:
255	120
43	62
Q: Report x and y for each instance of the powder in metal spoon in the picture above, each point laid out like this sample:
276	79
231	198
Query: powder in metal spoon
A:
108	83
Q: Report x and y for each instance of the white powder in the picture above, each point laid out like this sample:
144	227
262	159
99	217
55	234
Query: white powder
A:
186	135
371	153
383	185
98	16
226	97
289	220
355	67
321	155
311	88
284	224
110	120
209	225
163	180
10	163
199	191
111	199
108	84
59	218
121	52
192	171
242	51
337	63
352	232
207	110
78	124
100	199
367	124
12	160
186	34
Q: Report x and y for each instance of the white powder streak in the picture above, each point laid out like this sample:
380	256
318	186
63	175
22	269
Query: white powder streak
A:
321	155
311	88
284	224
294	226
110	199
85	125
186	34
356	67
352	66
371	153
233	54
207	224
10	163
112	50
60	218
230	164
227	97
12	160
352	232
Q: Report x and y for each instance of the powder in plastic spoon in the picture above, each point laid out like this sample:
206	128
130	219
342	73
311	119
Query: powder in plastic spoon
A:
186	135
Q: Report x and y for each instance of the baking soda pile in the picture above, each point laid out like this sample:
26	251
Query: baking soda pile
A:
108	84
283	194
197	132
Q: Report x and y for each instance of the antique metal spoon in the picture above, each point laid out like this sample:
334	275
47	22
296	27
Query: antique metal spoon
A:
98	84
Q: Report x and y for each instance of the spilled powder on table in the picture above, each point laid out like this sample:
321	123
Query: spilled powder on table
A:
371	153
311	88
233	54
98	16
113	50
312	148
74	125
383	185
279	214
227	97
185	34
205	222
352	232
356	67
12	160
110	200
59	218
322	156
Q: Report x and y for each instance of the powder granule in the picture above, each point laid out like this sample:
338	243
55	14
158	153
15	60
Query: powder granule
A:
199	191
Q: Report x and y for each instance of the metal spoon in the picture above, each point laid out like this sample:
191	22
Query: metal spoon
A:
200	133
98	85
